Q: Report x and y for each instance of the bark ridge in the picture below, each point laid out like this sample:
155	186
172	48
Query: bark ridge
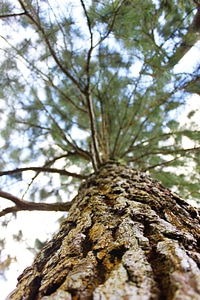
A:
126	237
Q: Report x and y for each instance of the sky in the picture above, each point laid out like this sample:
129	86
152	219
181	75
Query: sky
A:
33	225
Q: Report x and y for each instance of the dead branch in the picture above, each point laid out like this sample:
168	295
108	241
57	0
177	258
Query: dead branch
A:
21	205
44	169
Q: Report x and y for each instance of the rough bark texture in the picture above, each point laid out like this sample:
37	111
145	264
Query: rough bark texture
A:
126	237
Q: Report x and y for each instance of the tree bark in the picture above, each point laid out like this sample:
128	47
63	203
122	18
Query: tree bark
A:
126	237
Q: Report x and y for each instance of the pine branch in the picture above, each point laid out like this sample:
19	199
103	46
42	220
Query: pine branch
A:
189	40
110	26
47	79
37	23
192	86
21	205
106	120
97	161
164	163
105	141
50	82
123	129
145	115
80	151
95	138
162	151
155	137
35	19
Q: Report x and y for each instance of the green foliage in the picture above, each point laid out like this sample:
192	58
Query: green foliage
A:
81	88
39	244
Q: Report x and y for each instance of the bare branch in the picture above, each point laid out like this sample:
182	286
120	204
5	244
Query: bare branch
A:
12	15
10	197
31	206
8	210
88	22
43	169
95	143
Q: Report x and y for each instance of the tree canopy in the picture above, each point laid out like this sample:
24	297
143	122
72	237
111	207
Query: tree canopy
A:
87	81
84	82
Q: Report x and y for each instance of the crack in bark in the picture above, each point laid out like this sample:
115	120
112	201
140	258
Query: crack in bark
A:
127	237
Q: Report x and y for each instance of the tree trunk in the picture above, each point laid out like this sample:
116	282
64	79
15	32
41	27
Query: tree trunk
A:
126	237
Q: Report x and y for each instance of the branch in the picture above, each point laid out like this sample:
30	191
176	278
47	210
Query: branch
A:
111	25
126	121
50	47
146	114
104	130
47	78
105	141
164	163
12	15
155	137
192	86
96	157
49	163
95	143
50	82
44	169
21	205
191	37
81	152
163	151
